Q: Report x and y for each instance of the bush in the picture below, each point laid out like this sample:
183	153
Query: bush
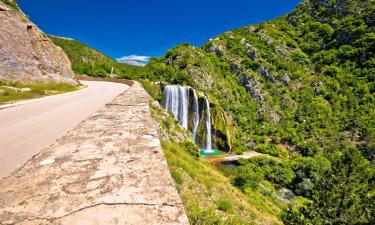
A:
99	72
248	176
224	205
268	149
190	148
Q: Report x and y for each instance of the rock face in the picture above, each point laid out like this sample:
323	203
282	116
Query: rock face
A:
27	55
110	169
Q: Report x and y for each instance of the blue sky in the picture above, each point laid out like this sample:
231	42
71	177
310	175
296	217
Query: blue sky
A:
148	27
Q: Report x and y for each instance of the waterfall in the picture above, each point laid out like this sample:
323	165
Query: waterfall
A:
208	128
176	100
184	106
195	116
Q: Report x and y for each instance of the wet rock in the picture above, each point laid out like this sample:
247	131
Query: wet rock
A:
27	54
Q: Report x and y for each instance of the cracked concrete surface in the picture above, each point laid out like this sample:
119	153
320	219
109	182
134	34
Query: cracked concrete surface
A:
110	169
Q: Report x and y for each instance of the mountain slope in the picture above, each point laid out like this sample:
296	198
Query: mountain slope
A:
27	55
301	88
89	61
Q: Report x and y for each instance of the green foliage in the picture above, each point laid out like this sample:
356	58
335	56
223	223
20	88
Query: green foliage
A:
88	61
345	194
248	176
190	148
224	205
153	89
274	170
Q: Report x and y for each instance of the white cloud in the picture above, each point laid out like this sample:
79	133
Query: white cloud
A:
137	60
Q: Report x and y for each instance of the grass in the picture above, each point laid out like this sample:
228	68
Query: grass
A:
209	197
11	92
207	193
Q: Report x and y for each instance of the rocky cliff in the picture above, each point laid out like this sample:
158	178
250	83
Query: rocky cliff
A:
26	54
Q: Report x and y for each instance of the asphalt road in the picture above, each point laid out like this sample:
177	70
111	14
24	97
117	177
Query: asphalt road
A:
26	129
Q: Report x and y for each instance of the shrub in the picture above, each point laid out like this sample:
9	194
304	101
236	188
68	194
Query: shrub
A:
224	205
274	170
248	176
190	148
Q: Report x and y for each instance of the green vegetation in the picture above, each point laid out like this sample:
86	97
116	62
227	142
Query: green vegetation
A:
208	196
88	61
10	92
300	88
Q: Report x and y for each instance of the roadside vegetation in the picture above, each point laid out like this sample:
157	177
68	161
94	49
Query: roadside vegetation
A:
11	92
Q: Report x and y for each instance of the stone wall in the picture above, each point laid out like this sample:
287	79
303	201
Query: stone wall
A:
110	169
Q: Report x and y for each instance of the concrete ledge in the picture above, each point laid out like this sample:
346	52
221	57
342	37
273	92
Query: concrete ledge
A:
108	170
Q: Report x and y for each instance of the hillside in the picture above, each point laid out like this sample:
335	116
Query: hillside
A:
299	88
89	61
27	54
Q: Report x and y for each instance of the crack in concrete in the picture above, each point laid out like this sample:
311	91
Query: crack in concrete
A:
93	206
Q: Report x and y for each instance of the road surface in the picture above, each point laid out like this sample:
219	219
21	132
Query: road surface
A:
28	128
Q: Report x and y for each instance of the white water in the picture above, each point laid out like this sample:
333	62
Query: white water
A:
208	128
184	106
176	100
195	116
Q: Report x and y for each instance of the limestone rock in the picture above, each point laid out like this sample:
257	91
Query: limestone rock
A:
251	51
285	78
217	49
27	55
253	87
266	73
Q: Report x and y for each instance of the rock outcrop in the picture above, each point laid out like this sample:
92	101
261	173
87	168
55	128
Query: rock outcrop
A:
27	55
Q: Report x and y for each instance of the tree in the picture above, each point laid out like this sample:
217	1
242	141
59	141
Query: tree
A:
345	194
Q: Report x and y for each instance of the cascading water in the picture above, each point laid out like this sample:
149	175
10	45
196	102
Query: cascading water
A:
208	128
176	100
184	106
195	116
